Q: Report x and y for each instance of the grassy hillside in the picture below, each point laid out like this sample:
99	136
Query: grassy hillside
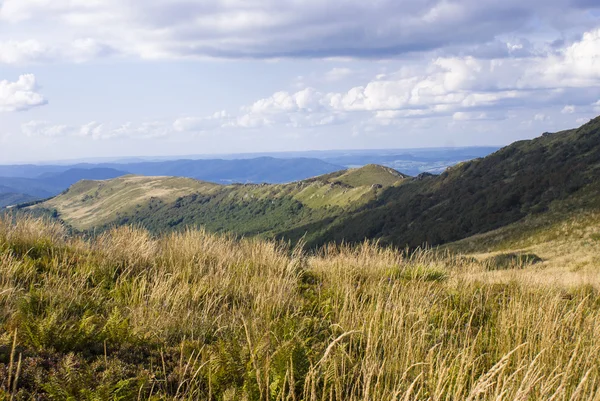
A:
162	203
195	315
93	203
520	180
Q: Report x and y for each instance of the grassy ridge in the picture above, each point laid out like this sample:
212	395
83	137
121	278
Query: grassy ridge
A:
166	203
195	315
520	180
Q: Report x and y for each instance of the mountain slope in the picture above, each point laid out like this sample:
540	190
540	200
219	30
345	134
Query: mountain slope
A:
522	179
93	203
164	203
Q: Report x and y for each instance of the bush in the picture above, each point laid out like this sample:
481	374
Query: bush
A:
507	261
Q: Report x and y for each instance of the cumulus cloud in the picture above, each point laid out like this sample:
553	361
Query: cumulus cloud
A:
471	116
201	124
303	109
287	28
95	130
45	129
20	95
465	88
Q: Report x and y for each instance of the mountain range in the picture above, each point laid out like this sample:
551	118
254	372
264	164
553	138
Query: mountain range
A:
33	182
554	174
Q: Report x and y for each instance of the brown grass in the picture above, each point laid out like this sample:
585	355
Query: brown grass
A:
198	316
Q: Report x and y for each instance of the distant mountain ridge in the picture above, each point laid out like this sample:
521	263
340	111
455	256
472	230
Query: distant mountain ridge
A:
257	170
10	199
51	184
524	179
52	180
43	181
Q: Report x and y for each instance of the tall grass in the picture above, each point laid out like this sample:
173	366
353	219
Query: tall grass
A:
198	316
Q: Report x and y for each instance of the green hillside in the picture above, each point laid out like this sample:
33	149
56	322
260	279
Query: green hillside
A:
525	179
166	203
534	183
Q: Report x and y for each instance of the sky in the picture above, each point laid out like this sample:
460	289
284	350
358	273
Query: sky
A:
116	78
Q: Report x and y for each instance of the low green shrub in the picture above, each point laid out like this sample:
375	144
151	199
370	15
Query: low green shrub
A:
507	261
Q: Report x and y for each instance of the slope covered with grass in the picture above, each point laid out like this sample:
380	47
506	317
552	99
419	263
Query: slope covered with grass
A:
520	180
163	203
194	315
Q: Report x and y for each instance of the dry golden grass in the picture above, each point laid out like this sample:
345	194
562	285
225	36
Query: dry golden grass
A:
198	316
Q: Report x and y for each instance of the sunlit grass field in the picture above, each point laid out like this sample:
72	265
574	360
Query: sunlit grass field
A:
199	316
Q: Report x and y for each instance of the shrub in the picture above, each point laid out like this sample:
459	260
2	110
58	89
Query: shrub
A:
511	261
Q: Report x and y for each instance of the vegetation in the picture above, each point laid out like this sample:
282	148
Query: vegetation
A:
512	261
194	315
524	179
165	203
527	186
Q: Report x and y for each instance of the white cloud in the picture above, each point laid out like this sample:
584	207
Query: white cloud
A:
283	28
45	129
95	130
464	88
201	124
302	109
20	95
18	52
470	116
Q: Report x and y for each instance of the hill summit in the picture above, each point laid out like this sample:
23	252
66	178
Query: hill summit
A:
166	203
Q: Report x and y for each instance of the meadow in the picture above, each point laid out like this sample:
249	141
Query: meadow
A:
199	316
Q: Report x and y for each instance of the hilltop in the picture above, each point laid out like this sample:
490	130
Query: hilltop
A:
166	203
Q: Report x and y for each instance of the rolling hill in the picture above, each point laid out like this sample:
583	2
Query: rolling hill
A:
543	180
165	203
